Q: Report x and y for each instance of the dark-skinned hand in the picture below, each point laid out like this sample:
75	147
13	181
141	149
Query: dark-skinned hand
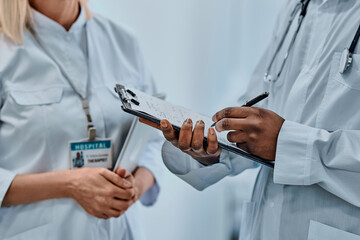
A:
255	130
191	142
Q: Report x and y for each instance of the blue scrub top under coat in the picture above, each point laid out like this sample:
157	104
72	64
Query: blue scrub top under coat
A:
40	113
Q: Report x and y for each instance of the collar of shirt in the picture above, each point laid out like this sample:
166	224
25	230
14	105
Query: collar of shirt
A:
43	24
67	48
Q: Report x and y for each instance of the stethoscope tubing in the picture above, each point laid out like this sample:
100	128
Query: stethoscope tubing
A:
304	4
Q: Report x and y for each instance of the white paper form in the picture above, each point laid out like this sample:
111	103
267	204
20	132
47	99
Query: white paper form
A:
176	115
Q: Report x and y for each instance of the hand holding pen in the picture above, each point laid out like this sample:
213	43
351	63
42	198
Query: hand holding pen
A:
254	130
252	102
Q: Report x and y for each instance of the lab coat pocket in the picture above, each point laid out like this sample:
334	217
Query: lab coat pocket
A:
39	97
247	218
319	231
351	78
25	113
339	107
41	232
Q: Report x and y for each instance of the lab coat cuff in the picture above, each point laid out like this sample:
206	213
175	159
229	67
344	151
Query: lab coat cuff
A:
204	176
293	161
150	196
225	159
6	178
238	163
191	171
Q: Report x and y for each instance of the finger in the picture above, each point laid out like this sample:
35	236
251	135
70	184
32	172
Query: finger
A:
212	143
122	172
233	124
150	123
121	205
123	194
198	137
127	175
237	137
96	214
115	179
168	131
232	112
112	213
185	135
102	216
131	179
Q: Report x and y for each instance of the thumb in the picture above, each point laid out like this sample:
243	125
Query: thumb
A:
122	172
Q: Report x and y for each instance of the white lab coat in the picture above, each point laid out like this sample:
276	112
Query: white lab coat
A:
313	192
40	113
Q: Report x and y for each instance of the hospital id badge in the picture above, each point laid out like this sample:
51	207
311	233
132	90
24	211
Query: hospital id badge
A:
91	154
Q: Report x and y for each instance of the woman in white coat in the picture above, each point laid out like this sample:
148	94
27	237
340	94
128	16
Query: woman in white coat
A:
58	60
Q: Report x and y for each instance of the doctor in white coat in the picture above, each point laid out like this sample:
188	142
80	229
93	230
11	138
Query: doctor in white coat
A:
309	126
57	60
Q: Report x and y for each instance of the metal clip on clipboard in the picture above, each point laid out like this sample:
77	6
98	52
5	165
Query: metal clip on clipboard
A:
132	103
127	96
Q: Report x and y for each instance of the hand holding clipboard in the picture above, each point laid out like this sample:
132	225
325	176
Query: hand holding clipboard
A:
153	110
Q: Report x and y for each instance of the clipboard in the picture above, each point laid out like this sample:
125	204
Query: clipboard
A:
135	144
154	109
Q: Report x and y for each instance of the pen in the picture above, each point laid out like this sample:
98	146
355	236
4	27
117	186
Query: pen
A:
252	102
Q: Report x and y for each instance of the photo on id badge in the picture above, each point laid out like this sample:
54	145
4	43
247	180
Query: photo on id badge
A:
86	153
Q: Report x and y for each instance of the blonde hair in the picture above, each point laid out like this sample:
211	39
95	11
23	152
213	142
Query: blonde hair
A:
15	17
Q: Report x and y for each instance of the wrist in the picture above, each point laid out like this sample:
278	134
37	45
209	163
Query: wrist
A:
139	186
67	183
144	180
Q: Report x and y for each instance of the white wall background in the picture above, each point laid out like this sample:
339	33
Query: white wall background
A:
202	53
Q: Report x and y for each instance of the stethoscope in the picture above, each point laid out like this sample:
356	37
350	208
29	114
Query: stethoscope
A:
347	56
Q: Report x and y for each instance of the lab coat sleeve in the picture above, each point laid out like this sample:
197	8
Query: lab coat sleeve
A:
6	178
198	175
151	158
307	156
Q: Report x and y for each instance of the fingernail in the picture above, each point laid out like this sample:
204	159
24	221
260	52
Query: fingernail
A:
188	121
213	118
200	123
212	131
163	124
